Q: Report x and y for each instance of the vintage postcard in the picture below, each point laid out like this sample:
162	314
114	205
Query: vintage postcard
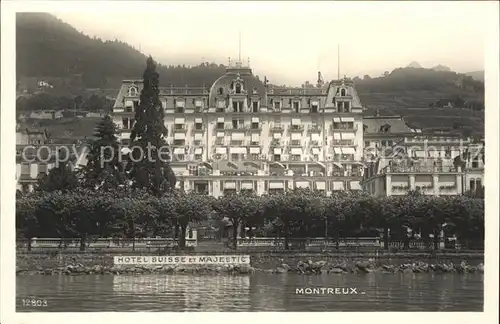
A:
325	161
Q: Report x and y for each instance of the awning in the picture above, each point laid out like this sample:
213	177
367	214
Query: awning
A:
180	120
348	150
179	136
238	136
348	136
255	119
198	136
296	121
276	185
220	134
255	137
220	150
338	165
338	185
232	165
278	164
179	150
336	120
296	136
355	185
277	135
247	185
320	185
198	150
347	119
220	119
129	103
206	164
314	103
230	185
277	150
198	120
296	151
221	104
251	164
302	184
198	103
337	150
126	150
255	150
337	136
315	137
180	104
238	150
315	150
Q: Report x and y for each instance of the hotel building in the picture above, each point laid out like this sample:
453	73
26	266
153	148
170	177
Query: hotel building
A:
243	134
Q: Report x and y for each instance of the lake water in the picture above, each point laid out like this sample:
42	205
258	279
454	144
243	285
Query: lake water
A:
257	292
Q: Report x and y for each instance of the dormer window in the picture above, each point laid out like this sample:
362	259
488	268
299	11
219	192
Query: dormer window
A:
385	128
342	92
254	90
132	91
221	91
238	88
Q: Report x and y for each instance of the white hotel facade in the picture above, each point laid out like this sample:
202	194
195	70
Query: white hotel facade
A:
243	134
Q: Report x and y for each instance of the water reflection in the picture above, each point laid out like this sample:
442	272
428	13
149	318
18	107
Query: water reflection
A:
259	292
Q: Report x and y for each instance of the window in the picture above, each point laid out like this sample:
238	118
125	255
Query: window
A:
235	106
132	91
346	106
296	157
235	123
220	125
235	156
255	106
42	168
277	157
198	126
367	143
342	92
472	185
255	125
314	108
238	88
179	126
220	91
125	123
179	110
198	157
296	106
277	105
25	168
478	184
180	157
179	142
340	107
254	90
475	163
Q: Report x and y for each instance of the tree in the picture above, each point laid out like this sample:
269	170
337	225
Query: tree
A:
191	208
60	178
104	169
238	209
152	171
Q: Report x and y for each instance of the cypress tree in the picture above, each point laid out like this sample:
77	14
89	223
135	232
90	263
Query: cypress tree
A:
104	169
148	171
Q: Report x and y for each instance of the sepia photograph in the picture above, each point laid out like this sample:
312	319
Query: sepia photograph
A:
305	157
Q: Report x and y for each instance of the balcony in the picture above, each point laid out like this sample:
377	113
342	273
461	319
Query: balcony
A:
314	129
275	143
277	128
343	142
420	169
339	127
296	128
179	128
295	143
199	128
254	127
235	128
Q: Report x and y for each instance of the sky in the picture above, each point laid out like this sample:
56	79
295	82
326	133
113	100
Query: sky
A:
290	42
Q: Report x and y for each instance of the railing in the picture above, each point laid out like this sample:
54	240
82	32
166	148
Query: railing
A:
420	169
311	242
343	142
104	243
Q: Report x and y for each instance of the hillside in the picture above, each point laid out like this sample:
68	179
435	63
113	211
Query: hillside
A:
77	65
476	75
